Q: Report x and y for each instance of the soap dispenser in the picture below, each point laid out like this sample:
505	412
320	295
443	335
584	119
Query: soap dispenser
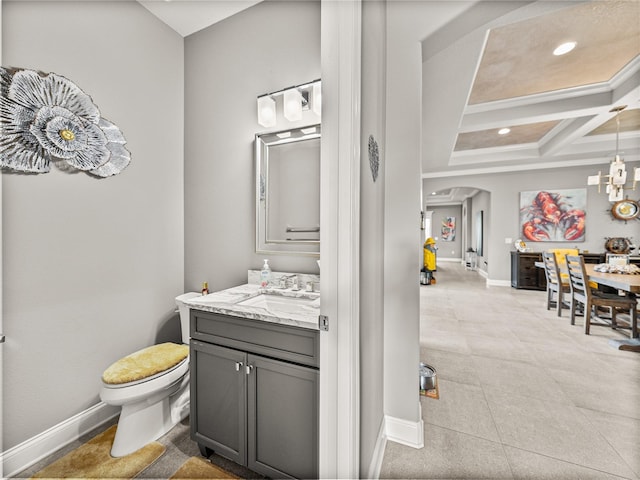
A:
265	274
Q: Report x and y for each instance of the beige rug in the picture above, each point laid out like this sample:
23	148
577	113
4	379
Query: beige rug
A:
93	460
198	467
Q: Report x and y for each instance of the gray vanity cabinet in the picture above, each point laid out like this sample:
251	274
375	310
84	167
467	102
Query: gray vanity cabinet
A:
249	405
218	400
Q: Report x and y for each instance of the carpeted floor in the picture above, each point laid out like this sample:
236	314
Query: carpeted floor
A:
179	450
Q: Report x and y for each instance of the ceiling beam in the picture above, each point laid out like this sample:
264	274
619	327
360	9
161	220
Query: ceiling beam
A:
542	111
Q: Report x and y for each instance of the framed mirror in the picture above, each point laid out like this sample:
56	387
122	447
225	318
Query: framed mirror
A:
288	191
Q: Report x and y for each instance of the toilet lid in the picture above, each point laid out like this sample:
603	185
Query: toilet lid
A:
145	363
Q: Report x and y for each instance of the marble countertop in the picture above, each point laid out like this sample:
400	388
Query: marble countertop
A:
286	306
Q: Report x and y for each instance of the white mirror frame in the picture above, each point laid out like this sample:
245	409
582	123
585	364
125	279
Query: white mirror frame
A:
287	246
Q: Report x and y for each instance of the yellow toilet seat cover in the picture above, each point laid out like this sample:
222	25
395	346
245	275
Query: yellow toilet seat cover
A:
145	363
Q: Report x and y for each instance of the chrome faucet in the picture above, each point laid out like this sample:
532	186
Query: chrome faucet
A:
294	281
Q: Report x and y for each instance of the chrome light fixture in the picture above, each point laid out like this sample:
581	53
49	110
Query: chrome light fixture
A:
292	101
616	181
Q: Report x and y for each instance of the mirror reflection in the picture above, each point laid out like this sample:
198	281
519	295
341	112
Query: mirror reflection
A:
288	191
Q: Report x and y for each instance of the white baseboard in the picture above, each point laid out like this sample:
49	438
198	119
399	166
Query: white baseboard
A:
498	283
405	432
378	453
22	456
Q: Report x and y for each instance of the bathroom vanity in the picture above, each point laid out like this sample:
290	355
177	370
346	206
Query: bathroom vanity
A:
255	378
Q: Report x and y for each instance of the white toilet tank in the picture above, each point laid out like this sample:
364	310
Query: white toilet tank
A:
184	314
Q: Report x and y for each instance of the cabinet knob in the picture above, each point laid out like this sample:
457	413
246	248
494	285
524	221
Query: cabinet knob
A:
248	369
238	366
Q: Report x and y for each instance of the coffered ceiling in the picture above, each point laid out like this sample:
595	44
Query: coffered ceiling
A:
503	74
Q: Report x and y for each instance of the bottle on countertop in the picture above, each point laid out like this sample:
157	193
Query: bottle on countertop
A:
205	288
265	274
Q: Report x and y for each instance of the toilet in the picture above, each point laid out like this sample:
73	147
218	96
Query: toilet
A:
152	387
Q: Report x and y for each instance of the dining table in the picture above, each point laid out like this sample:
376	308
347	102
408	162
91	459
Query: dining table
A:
630	283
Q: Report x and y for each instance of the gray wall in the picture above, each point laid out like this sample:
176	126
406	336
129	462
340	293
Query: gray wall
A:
275	45
91	266
372	232
504	203
447	249
402	235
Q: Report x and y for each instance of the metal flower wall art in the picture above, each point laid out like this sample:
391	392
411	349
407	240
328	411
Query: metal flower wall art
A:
46	118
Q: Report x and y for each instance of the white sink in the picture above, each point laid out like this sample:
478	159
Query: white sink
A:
279	303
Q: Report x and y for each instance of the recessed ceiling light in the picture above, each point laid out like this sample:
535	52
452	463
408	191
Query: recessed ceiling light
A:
433	193
564	48
504	131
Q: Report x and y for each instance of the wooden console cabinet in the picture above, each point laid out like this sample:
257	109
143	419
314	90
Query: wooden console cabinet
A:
525	274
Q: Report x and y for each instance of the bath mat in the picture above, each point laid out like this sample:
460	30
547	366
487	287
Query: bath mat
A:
93	460
198	467
431	393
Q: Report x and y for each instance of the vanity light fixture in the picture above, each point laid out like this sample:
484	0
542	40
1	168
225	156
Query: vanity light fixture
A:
564	48
616	181
293	101
504	131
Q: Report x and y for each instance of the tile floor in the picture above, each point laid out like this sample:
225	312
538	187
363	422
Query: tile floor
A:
523	394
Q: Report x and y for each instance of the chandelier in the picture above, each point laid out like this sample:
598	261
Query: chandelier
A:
616	180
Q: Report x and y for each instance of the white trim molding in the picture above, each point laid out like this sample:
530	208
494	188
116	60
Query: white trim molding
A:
339	431
36	448
375	465
498	283
404	431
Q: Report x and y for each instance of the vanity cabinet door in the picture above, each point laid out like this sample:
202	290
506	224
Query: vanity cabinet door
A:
282	418
218	400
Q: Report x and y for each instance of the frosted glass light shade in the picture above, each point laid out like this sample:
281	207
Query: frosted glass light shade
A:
616	194
593	180
293	105
316	103
636	174
266	111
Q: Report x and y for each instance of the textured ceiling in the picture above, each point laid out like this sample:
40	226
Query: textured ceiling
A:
518	59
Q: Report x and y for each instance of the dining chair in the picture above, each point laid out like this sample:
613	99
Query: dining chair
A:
556	285
560	254
593	300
